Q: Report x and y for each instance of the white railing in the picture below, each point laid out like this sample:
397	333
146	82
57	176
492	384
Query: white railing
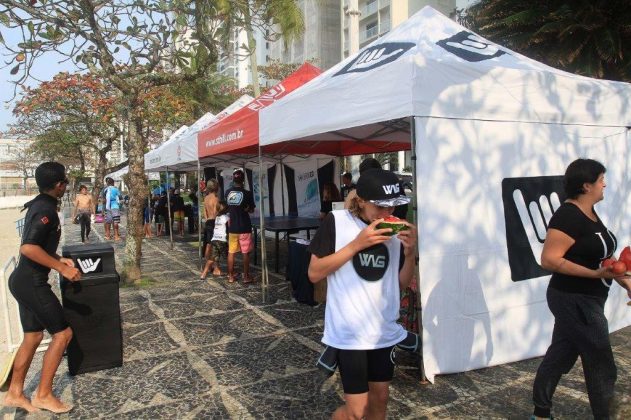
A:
369	9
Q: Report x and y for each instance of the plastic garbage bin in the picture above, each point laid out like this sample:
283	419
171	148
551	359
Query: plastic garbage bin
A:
92	309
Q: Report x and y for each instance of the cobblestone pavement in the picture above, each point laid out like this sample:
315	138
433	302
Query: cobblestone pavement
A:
210	349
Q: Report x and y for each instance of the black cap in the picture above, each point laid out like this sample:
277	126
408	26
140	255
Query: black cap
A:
48	174
381	188
238	175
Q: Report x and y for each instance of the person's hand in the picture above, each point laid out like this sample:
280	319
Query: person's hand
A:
370	236
625	282
68	270
607	273
408	239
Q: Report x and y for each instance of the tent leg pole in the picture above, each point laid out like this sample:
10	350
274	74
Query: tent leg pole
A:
199	215
282	185
169	209
264	278
419	317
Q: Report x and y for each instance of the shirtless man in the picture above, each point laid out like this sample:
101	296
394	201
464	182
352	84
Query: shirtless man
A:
209	213
84	208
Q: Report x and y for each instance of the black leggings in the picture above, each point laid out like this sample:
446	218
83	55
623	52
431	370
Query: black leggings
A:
84	220
580	329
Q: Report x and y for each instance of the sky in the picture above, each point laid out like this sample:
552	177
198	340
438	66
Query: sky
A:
45	68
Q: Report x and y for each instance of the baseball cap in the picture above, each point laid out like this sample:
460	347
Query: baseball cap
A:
238	175
381	188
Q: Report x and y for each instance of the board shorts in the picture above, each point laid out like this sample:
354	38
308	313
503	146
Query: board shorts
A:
219	249
240	242
178	216
112	216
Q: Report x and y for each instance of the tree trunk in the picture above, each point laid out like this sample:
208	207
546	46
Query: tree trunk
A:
254	69
99	174
137	182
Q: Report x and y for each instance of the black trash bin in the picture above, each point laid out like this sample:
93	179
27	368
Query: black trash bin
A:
92	309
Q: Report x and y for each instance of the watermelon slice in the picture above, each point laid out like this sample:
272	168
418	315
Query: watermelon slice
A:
394	223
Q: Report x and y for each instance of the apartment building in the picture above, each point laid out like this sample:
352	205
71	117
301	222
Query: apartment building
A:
377	17
234	61
320	42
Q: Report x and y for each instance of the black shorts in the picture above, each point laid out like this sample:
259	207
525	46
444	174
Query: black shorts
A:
358	367
209	229
39	307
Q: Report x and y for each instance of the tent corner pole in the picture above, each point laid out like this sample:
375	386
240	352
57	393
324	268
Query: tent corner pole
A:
264	274
415	209
169	208
199	215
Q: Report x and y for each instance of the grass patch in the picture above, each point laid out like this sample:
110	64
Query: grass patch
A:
143	283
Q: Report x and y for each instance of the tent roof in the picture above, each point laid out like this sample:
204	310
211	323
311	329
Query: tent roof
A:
154	158
181	153
430	66
239	132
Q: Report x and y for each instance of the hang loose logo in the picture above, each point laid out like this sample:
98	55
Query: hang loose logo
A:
88	265
529	204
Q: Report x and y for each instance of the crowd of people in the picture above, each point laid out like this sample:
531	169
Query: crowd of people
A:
357	257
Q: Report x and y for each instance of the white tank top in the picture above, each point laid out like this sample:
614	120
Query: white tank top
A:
219	234
362	300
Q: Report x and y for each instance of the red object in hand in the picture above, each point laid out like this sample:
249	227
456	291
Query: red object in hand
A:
608	262
625	257
619	268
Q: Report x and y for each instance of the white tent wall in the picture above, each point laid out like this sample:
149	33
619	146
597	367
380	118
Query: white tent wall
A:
281	197
474	314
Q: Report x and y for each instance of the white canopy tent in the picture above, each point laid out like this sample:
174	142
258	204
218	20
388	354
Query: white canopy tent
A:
492	132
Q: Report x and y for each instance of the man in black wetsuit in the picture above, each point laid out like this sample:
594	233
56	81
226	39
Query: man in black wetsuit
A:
39	307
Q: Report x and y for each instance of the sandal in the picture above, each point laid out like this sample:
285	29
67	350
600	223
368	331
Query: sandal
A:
248	280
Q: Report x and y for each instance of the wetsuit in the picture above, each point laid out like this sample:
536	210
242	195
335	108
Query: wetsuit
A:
39	307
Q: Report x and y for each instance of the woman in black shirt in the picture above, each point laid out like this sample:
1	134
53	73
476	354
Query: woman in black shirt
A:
576	243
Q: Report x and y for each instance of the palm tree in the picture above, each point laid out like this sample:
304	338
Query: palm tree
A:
273	17
588	37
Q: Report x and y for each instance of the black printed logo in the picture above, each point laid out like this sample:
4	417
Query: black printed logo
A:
371	263
528	206
470	47
376	56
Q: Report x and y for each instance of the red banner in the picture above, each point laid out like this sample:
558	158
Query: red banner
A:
239	132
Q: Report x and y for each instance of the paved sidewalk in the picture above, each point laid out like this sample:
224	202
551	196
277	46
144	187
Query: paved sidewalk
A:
209	349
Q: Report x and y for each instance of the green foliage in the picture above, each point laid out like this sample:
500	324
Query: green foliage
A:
587	37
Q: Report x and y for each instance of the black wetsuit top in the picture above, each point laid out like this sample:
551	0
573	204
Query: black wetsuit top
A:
39	307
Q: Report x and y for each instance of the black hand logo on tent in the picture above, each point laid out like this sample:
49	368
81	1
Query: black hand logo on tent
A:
470	47
376	56
528	206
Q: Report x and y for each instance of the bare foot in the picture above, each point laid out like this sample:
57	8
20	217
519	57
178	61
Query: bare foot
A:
52	404
203	276
117	238
216	272
20	402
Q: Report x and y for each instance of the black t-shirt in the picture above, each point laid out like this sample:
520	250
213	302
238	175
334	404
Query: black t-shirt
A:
41	227
326	206
323	243
177	204
345	190
240	204
593	243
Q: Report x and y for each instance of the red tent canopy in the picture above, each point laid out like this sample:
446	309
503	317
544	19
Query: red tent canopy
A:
239	132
